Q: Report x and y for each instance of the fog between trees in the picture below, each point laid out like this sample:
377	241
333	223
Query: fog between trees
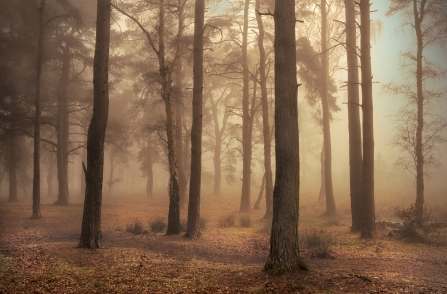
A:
150	89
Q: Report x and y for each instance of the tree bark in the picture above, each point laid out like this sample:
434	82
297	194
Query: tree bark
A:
368	212
330	202
322	194
265	118
246	142
36	158
62	130
179	129
355	133
91	221
149	163
419	206
193	223
284	249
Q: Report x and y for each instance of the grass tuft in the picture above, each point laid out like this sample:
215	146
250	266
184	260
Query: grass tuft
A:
157	225
136	228
227	221
318	243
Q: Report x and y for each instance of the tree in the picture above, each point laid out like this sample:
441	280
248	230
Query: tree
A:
165	72
265	118
355	135
419	130
36	159
284	249
330	202
368	211
193	224
91	220
246	136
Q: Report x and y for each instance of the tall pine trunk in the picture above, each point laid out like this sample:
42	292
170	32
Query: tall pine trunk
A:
91	220
284	252
193	223
246	142
368	212
179	130
268	176
355	133
36	158
62	130
328	188
419	206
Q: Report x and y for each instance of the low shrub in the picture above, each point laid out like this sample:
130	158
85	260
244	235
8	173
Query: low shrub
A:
136	228
157	225
228	220
318	243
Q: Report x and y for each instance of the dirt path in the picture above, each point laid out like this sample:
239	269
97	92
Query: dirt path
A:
41	256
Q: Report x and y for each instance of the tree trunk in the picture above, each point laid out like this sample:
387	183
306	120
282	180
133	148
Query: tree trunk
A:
368	213
91	221
261	192
36	158
62	130
193	224
246	142
284	249
51	163
12	168
322	195
150	172
166	93
84	159
355	133
419	206
179	128
265	118
330	202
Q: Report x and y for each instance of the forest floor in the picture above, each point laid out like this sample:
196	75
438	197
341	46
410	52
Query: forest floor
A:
41	256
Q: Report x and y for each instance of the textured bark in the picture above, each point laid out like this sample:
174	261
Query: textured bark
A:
246	142
84	159
37	120
368	212
193	223
420	199
91	221
62	130
265	118
355	133
284	250
330	201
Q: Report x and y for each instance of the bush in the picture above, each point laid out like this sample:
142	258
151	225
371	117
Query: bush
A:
136	228
245	220
183	225
157	225
266	227
318	243
227	220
